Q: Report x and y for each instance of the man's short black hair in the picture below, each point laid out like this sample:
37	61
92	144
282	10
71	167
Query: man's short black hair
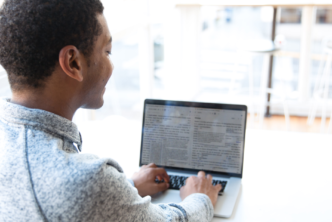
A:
33	32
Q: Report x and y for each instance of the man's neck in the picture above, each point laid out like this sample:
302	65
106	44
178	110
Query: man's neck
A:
46	101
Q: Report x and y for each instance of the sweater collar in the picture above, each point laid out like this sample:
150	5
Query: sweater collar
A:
42	119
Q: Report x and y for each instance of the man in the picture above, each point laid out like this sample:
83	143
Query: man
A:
56	54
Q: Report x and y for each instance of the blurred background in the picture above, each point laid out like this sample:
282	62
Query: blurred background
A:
276	59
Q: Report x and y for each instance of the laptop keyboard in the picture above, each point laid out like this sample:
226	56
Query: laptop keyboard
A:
176	182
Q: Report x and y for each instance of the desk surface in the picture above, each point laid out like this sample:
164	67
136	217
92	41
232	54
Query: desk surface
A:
286	175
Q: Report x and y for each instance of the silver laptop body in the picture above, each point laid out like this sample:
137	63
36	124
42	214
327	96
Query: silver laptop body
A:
186	137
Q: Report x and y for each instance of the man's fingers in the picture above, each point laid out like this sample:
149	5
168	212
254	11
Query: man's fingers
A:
218	187
201	174
160	172
161	187
152	165
209	177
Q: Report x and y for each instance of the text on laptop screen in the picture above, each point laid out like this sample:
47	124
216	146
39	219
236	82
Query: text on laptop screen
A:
193	138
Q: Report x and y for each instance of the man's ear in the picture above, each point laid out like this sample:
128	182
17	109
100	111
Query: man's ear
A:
70	61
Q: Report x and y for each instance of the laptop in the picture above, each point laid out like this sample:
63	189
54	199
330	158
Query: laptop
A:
186	137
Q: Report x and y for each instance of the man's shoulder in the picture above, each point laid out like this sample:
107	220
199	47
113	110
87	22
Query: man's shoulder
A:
80	182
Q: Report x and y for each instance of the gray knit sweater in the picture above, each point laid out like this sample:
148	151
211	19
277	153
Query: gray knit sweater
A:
44	178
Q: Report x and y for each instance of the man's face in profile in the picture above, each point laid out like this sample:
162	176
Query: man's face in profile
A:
98	69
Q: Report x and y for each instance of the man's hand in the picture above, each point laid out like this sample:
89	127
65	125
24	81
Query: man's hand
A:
201	184
144	180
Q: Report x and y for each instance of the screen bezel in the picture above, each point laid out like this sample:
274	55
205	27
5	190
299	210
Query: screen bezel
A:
198	105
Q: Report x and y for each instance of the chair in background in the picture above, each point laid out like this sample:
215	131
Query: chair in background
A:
265	48
321	89
238	68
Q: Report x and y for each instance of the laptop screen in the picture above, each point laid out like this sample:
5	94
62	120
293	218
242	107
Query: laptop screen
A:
197	136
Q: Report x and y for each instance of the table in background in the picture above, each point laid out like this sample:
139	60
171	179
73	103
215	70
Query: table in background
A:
286	176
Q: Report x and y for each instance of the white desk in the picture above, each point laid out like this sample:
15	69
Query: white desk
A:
287	176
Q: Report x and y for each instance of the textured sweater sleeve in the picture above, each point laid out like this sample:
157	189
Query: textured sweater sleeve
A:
196	207
86	188
126	205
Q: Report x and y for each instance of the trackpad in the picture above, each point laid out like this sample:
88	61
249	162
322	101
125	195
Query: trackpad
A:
169	196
